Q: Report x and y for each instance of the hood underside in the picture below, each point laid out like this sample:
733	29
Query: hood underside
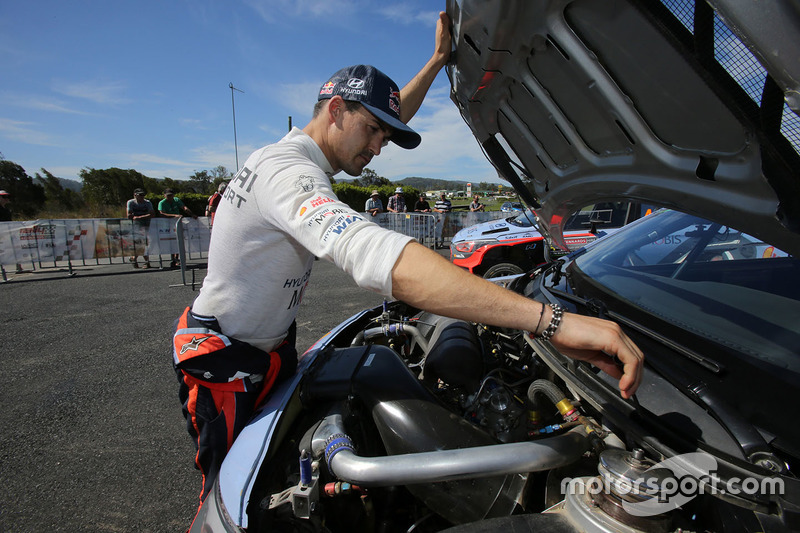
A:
675	103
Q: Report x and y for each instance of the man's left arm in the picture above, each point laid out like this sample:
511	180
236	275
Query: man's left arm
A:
412	95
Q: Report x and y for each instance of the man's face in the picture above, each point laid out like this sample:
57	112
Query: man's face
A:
362	137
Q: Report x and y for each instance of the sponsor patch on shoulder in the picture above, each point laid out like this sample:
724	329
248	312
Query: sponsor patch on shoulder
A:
314	202
340	225
321	217
305	183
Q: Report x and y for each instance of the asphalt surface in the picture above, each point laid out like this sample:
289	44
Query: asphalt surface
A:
92	434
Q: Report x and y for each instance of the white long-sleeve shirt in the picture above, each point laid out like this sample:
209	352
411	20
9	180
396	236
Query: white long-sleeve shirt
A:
276	215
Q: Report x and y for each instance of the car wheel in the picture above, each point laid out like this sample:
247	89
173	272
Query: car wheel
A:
502	269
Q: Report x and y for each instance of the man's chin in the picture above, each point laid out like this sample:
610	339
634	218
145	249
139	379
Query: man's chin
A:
355	170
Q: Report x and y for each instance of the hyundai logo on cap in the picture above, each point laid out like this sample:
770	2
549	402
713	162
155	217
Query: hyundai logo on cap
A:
376	92
356	83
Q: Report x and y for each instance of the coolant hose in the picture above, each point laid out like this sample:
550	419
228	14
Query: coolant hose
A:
445	465
395	330
551	390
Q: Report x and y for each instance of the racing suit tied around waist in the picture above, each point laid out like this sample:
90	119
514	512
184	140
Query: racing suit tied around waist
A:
214	360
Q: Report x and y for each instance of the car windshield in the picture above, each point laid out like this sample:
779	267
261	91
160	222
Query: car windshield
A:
524	220
705	278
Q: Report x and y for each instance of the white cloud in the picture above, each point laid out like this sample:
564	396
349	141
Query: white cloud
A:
447	144
39	103
94	91
273	11
403	13
152	158
24	132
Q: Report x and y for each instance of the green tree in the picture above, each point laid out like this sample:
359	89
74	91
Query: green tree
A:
200	182
56	197
370	178
27	198
110	187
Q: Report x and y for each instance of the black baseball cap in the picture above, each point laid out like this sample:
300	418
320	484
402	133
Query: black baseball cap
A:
378	93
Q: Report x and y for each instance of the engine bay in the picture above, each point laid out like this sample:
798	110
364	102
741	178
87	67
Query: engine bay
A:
410	421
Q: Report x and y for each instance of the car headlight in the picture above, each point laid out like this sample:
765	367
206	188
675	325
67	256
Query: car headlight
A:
464	249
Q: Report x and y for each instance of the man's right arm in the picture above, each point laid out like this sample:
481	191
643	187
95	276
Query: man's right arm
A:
419	273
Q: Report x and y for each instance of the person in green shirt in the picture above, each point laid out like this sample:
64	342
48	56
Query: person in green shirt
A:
172	207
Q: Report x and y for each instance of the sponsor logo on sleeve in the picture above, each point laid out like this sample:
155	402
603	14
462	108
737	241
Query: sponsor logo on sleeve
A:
340	225
305	183
312	203
321	217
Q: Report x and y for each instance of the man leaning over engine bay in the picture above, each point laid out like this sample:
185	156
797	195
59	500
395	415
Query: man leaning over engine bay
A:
279	212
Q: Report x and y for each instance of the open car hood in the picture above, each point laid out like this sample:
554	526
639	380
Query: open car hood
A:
684	105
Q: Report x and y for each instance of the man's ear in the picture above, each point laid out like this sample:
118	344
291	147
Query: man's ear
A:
336	109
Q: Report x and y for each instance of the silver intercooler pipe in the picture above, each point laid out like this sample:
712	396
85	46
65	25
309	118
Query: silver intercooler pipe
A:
331	442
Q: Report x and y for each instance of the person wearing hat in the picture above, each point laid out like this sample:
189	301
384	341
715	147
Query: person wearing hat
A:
422	205
140	211
5	212
237	339
397	203
373	206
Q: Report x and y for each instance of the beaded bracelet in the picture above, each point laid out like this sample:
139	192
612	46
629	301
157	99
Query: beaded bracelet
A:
555	321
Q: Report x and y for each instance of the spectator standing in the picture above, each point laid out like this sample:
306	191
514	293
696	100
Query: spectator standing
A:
374	206
422	205
140	211
213	201
397	203
476	204
443	204
172	207
5	214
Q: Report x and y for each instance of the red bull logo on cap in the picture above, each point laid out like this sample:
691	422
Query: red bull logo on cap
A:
327	88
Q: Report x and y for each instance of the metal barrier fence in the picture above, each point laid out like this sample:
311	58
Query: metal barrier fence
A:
421	226
434	229
68	243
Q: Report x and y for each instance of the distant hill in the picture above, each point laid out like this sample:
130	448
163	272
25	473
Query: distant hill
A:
431	184
72	185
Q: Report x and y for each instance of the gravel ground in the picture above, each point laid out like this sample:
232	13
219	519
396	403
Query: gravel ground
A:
92	434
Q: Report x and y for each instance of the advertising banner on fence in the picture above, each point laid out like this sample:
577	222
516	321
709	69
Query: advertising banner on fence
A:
52	241
80	240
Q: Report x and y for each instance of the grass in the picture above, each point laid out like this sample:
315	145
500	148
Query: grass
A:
492	204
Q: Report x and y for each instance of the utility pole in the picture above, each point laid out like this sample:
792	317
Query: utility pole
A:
233	107
290	122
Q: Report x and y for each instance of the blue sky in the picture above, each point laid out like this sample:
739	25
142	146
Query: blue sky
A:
145	84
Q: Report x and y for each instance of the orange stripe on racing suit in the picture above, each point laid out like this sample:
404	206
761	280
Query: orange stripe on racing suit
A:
189	342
